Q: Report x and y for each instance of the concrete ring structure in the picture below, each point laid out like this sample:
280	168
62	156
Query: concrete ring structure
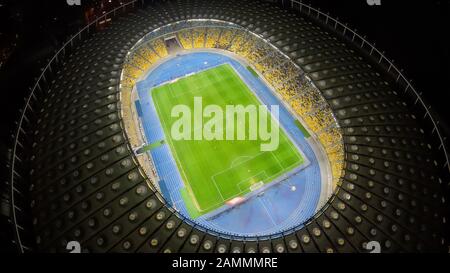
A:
75	175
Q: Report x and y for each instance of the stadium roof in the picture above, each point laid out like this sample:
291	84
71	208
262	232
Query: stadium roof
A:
85	184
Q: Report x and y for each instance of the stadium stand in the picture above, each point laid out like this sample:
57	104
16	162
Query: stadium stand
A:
75	155
185	37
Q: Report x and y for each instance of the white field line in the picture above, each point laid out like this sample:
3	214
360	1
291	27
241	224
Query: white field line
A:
232	167
249	86
187	75
173	151
239	157
278	161
267	211
175	155
245	180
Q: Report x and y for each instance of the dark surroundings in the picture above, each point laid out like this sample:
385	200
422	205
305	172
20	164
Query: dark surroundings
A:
413	33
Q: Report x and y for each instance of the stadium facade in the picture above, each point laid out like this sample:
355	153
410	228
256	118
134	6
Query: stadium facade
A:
77	173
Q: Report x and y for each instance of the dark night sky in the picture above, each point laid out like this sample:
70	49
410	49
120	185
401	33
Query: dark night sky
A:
413	33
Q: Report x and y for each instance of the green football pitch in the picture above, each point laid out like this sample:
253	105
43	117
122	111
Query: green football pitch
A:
216	171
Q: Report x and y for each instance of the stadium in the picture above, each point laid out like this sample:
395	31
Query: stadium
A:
358	157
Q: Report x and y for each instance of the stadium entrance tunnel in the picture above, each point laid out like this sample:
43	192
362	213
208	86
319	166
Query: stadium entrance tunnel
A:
225	186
